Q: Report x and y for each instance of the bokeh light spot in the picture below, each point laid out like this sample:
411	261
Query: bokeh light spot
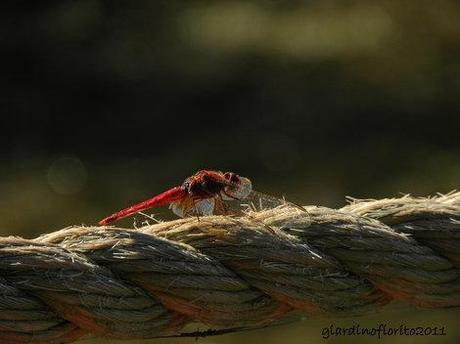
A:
67	175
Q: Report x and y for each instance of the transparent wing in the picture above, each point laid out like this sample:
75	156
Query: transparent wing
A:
258	201
243	194
193	207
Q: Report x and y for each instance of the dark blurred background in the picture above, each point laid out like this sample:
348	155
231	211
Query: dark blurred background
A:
105	103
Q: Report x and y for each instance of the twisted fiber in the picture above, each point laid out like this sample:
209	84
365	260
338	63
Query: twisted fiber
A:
230	273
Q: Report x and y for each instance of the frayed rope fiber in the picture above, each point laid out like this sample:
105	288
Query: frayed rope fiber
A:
228	273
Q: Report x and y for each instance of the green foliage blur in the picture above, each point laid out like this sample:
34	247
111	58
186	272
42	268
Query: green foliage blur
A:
107	103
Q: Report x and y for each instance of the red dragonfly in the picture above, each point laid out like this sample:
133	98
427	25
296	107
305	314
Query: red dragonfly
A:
203	193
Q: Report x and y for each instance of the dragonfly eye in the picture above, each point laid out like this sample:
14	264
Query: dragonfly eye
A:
240	189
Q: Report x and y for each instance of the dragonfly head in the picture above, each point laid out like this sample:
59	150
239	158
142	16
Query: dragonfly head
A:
239	187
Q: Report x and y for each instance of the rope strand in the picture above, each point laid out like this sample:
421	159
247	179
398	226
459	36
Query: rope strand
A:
230	273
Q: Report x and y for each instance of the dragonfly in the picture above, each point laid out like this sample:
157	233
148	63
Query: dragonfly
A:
207	192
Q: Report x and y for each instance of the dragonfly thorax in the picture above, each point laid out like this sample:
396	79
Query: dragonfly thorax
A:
207	184
203	185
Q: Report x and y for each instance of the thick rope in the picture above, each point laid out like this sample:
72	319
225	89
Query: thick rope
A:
230	273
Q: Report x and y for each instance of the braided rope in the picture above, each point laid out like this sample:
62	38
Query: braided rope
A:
230	273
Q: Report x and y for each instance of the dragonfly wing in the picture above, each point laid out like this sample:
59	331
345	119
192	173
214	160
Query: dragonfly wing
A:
205	207
260	201
192	207
177	209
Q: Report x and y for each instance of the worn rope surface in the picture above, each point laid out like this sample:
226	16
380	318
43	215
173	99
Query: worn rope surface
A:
230	273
